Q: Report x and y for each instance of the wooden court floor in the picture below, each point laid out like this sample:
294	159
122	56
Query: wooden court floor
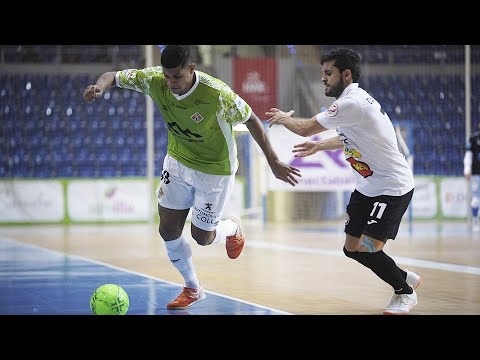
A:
296	268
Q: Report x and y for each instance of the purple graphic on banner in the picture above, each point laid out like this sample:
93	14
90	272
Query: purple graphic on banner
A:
335	155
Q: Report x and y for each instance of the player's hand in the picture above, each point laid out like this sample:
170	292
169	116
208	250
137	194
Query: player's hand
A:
277	116
285	172
91	93
305	149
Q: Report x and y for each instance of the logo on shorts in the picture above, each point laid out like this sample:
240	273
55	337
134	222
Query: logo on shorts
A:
347	218
160	192
370	222
206	215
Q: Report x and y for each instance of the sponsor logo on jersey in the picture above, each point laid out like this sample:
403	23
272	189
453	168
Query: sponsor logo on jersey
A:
184	134
178	106
239	102
353	153
360	167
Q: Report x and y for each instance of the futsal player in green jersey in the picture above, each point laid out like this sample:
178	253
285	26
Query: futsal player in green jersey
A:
201	161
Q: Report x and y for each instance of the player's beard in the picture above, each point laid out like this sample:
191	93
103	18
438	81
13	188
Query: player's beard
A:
335	90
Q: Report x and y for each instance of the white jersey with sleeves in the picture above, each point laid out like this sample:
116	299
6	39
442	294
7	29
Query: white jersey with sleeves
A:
370	143
200	122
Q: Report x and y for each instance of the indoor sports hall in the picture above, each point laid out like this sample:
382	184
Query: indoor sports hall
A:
78	180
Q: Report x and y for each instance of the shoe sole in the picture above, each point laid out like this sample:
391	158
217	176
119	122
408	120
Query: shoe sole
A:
234	246
392	313
404	313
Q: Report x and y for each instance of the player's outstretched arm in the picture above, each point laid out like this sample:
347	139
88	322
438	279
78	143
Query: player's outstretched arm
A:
281	170
300	126
311	147
104	83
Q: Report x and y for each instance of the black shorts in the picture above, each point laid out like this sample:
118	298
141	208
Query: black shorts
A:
378	217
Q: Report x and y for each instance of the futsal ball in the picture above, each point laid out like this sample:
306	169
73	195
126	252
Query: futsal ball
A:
109	299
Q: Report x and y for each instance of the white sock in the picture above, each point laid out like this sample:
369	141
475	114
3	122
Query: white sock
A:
180	255
225	228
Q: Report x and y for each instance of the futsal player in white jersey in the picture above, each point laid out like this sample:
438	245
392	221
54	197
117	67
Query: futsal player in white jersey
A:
384	180
201	161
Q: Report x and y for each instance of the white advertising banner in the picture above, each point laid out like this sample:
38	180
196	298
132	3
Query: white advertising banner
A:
108	200
31	201
424	202
454	195
323	171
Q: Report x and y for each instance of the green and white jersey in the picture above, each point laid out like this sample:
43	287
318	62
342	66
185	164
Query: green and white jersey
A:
200	122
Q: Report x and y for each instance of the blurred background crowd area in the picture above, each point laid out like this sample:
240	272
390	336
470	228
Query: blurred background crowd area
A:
48	131
133	55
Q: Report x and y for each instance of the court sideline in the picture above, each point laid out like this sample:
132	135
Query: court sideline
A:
284	269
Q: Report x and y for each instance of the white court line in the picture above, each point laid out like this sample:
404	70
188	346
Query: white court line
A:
474	270
73	256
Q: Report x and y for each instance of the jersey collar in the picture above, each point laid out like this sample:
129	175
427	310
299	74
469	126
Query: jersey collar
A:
197	80
348	89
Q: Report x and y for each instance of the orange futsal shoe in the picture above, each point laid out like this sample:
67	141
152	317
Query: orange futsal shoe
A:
187	298
235	242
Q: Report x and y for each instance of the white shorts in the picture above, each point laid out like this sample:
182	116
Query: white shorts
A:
182	188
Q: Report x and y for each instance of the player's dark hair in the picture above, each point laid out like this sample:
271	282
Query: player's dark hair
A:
175	55
344	59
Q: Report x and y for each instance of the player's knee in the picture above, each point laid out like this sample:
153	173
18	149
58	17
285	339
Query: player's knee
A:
202	241
202	237
169	233
350	254
364	258
180	251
